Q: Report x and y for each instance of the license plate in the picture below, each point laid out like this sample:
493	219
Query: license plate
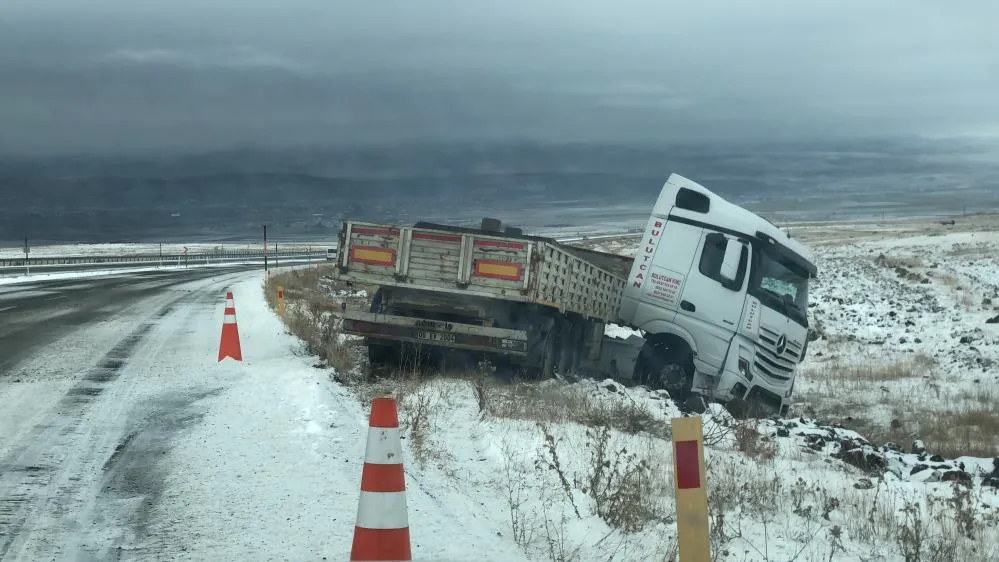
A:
435	336
512	344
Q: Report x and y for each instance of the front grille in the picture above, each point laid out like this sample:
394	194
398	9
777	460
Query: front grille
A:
772	364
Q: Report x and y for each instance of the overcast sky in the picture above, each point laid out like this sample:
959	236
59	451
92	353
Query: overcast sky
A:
196	74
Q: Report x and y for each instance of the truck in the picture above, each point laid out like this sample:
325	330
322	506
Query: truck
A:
715	295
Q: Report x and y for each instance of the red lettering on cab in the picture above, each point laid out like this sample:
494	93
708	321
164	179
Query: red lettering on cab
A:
650	247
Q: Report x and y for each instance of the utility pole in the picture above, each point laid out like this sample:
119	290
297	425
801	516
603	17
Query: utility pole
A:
265	248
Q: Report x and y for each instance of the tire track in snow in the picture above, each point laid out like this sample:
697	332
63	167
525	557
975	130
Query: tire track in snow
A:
41	477
131	481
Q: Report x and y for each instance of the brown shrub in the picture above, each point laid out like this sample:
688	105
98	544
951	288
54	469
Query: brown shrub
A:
554	403
752	443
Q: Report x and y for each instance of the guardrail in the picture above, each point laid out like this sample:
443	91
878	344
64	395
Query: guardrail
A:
191	259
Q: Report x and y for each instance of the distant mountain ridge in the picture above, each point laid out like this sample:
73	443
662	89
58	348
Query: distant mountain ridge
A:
305	191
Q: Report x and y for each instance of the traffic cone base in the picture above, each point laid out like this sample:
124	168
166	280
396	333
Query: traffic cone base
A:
382	528
380	544
229	345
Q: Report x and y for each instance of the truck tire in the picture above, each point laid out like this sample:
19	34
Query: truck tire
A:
667	365
545	361
380	354
569	344
550	360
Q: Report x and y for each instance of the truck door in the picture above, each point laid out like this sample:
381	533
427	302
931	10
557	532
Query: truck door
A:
661	266
713	297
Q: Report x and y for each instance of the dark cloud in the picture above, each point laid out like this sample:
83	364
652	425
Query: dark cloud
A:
138	74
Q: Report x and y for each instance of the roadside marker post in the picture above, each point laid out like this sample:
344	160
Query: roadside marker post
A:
691	489
281	300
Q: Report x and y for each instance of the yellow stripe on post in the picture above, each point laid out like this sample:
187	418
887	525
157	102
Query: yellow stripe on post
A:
691	487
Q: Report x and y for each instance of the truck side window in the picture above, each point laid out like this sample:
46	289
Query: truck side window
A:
711	260
692	200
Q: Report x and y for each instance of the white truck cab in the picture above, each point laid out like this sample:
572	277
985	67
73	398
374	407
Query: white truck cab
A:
721	296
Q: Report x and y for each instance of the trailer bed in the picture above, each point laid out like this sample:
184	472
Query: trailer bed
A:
488	264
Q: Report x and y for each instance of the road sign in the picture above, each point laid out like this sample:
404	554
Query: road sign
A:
691	487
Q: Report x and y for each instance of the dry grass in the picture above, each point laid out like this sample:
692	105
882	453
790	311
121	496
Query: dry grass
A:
968	299
620	480
558	403
310	316
908	367
750	442
910	262
627	487
961	432
949	280
300	285
421	408
743	497
903	400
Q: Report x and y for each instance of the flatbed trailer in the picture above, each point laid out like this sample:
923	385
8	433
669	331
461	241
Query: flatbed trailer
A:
528	299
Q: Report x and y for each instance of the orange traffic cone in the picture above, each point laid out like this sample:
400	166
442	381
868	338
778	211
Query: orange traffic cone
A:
382	528
229	346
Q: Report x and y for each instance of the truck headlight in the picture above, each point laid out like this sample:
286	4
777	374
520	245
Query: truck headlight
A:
744	369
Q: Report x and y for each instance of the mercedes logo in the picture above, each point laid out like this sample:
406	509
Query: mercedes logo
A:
781	344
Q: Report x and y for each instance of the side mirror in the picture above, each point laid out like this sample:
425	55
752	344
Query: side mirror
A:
729	270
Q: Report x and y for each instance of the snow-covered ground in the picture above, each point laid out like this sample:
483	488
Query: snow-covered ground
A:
273	470
262	459
890	347
543	472
908	338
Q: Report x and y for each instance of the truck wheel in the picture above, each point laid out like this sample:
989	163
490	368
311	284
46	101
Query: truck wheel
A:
568	349
660	367
380	354
543	366
549	361
674	379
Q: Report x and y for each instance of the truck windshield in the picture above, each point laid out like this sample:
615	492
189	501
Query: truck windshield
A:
780	284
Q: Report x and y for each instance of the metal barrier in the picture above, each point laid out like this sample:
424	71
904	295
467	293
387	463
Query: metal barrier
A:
14	265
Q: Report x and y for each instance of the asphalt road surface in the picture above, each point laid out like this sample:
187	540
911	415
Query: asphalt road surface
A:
92	387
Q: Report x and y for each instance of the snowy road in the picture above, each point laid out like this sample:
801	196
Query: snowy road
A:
34	314
122	438
81	375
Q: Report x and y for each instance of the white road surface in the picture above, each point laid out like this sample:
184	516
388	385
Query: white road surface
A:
124	439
